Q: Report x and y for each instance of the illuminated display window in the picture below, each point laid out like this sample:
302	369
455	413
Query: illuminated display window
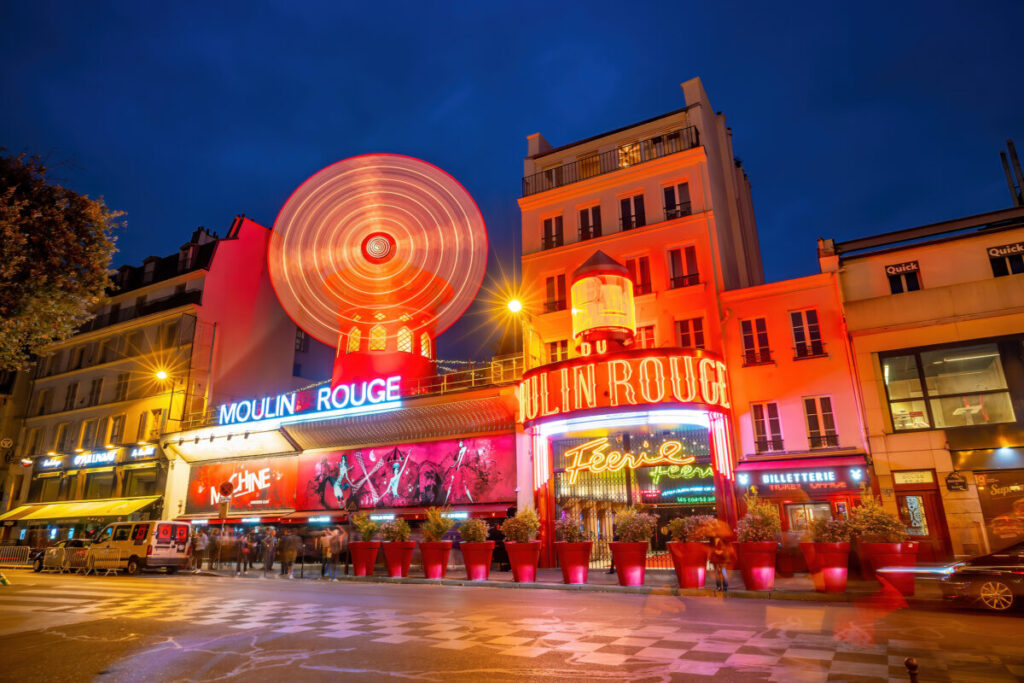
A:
682	267
590	222
755	342
806	334
821	424
378	338
355	338
690	333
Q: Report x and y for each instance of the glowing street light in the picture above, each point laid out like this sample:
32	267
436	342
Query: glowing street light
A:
515	305
161	374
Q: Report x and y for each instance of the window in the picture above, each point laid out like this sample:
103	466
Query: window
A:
116	430
806	334
140	303
148	270
59	436
690	333
354	339
821	425
767	427
589	166
76	358
378	338
555	287
115	313
95	391
32	442
141	482
171	332
45	402
44	489
1007	259
755	342
88	435
301	341
677	201
101	485
425	345
640	274
70	396
552	232
590	223
632	209
296	369
959	386
135	342
405	340
629	154
121	386
67	487
682	267
558	350
143	427
155	424
123	532
644	338
903	277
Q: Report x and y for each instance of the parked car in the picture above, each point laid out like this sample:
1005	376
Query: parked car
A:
59	555
996	580
133	546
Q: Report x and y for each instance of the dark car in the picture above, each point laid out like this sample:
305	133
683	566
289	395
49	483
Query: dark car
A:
61	555
995	580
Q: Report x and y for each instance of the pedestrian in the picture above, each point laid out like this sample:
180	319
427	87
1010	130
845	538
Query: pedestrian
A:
347	530
269	551
244	554
323	544
213	549
500	551
199	550
721	555
334	548
289	551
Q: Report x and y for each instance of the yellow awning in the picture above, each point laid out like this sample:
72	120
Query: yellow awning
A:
114	507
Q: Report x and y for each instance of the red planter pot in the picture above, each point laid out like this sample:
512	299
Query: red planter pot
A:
757	564
398	557
435	558
827	563
477	558
574	559
364	556
630	561
523	557
879	555
690	561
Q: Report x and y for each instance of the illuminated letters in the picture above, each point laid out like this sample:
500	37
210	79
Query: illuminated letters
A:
375	392
594	456
615	381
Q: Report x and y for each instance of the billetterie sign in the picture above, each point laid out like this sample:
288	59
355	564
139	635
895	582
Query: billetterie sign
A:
623	380
350	397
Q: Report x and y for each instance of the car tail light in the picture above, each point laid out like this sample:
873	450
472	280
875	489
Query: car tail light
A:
149	550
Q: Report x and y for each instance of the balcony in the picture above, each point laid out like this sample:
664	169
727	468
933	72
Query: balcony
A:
824	440
641	288
552	306
622	157
678	281
678	211
631	222
812	349
550	241
590	233
759	357
158	306
766	445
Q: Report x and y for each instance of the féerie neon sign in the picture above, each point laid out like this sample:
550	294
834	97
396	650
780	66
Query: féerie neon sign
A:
594	456
353	397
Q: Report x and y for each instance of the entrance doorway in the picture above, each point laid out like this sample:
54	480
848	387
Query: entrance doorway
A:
919	505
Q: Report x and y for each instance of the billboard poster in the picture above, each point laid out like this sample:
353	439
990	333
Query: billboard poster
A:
455	472
1001	493
262	484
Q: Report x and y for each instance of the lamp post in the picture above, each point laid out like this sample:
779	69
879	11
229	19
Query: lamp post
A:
162	376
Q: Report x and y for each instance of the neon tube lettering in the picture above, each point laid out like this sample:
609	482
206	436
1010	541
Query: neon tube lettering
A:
615	381
593	456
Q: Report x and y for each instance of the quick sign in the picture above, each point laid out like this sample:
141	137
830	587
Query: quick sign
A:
900	268
1006	250
355	397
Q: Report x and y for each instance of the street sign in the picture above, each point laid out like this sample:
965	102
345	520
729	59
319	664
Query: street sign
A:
956	482
226	489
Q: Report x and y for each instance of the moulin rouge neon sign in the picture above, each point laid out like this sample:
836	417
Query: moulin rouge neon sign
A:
375	394
594	456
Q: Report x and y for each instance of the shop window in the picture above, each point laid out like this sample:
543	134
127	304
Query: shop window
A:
1007	259
141	482
301	341
44	489
959	386
70	396
378	338
553	234
632	210
95	391
555	288
99	485
425	345
806	334
116	430
682	267
640	273
755	342
355	338
121	386
558	350
644	338
68	483
690	333
821	424
405	340
677	201
590	222
767	427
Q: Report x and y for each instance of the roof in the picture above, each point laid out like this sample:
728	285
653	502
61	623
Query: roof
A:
600	262
610	132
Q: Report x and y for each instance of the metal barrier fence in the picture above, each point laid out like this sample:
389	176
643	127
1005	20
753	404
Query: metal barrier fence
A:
107	560
75	560
15	556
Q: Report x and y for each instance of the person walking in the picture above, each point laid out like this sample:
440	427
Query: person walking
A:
269	552
323	544
347	534
721	554
213	549
289	551
334	548
199	550
244	554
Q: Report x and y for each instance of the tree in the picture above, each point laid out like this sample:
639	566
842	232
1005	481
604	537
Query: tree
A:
55	251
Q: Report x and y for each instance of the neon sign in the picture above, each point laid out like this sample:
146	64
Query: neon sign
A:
629	379
245	483
680	472
807	477
51	462
94	458
143	451
354	397
595	457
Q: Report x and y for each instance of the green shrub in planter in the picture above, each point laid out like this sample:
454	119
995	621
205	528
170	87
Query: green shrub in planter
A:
437	524
397	530
523	527
830	531
570	531
367	529
761	523
635	526
872	523
473	531
693	529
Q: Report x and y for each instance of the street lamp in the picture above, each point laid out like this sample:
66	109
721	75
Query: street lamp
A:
161	375
515	305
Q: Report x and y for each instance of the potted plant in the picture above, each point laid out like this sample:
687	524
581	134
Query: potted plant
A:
435	551
634	529
881	543
398	549
758	535
573	550
689	549
364	551
828	554
521	544
476	549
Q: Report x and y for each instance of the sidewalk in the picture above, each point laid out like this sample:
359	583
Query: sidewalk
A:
657	582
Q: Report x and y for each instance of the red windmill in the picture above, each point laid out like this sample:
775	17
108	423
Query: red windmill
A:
377	255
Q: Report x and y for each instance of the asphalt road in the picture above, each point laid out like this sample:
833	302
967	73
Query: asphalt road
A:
182	628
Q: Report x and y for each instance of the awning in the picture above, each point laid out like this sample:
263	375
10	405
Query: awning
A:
802	463
115	507
989	459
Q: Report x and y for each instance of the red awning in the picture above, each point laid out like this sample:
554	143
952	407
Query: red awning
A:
803	463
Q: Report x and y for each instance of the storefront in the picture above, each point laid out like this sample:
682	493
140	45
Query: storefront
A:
999	476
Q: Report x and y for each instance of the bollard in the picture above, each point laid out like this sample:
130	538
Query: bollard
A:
911	665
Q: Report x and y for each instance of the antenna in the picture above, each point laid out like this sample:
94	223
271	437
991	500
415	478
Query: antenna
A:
1016	188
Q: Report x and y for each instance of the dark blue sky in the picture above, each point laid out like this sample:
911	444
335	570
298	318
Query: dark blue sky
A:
849	121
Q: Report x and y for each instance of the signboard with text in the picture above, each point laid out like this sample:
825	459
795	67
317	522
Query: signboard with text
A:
774	482
260	484
1001	493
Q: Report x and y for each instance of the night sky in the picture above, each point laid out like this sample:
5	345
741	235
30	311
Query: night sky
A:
850	122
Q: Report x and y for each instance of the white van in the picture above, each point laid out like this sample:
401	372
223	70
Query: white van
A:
134	546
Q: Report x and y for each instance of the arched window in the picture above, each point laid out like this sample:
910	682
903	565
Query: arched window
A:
425	345
378	338
405	340
354	338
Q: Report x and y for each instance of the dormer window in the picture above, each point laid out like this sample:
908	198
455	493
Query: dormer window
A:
148	271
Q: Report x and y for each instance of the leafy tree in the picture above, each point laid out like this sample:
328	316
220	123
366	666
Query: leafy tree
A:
55	251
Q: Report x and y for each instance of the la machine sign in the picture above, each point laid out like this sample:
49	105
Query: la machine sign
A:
375	395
